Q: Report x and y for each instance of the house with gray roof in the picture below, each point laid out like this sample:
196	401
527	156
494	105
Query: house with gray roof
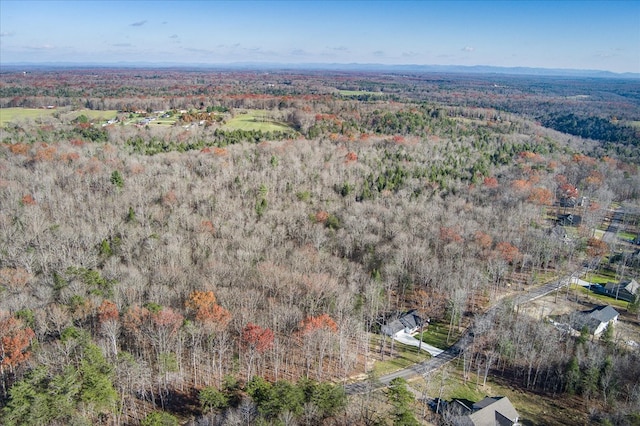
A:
596	320
624	290
491	411
569	220
408	322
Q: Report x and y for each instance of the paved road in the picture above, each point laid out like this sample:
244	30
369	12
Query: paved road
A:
453	351
414	370
538	292
612	230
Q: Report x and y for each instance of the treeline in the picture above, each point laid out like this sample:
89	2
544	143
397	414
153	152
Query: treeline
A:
218	138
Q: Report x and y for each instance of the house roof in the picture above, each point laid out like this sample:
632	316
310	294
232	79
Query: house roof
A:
408	320
594	318
569	219
625	290
603	313
484	403
631	286
494	411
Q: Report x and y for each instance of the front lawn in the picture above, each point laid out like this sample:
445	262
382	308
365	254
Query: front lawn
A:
620	305
601	277
436	335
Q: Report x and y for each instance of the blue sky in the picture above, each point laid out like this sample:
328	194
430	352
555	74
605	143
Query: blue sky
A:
548	34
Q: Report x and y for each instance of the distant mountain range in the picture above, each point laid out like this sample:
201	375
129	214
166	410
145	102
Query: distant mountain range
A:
459	69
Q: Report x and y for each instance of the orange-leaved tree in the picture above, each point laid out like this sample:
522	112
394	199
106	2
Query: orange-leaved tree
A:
541	196
205	309
311	324
508	251
109	320
15	339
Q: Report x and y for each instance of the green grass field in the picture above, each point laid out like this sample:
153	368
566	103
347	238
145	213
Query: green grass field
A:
358	93
620	305
9	115
403	356
165	121
436	335
92	114
255	120
601	277
628	236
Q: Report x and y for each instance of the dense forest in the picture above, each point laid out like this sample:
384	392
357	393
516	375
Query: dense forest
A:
204	274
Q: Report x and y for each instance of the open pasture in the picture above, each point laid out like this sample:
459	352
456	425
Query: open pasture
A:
9	115
255	120
15	115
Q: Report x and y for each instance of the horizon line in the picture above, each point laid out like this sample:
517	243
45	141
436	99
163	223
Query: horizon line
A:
476	69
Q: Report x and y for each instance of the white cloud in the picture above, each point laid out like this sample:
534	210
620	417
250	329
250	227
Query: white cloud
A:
468	49
41	47
202	51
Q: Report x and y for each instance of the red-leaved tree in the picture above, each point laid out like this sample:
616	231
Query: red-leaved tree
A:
256	340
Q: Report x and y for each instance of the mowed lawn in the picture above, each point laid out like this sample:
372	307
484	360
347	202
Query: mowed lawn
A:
8	115
255	120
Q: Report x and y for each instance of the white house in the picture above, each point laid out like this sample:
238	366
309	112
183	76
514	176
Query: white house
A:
596	320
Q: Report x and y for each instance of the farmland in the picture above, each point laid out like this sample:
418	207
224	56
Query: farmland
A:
17	115
258	120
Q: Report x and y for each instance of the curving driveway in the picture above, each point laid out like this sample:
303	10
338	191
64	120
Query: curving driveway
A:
408	339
